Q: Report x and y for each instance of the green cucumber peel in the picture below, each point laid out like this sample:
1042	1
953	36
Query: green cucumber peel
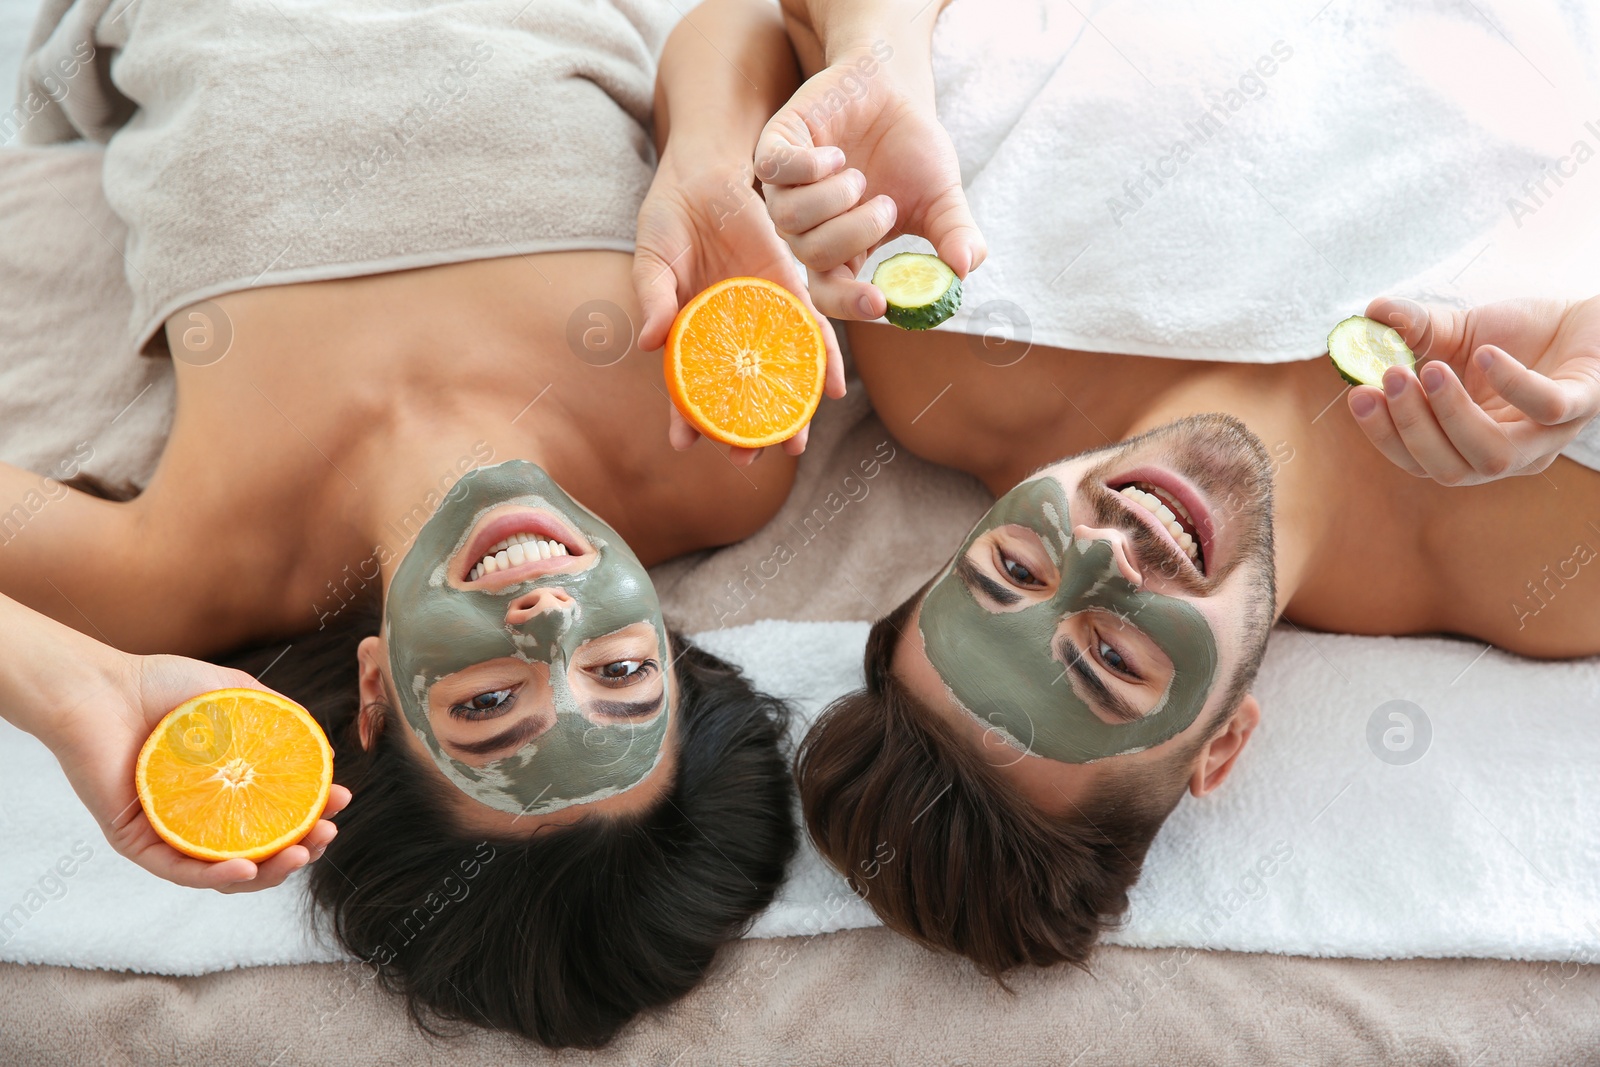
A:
921	290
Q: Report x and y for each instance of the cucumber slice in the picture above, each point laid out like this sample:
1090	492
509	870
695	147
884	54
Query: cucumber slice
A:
922	291
1362	349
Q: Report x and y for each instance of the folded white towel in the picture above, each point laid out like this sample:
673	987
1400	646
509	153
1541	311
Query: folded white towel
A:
1228	180
1484	846
249	146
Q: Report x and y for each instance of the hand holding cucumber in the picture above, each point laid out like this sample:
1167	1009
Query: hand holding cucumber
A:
1496	391
854	159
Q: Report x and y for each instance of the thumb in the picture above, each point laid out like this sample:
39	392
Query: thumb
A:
1411	320
656	285
954	233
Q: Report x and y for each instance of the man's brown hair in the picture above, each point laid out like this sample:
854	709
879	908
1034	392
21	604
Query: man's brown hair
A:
947	852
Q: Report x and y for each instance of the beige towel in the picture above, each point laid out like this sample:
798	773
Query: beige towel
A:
257	144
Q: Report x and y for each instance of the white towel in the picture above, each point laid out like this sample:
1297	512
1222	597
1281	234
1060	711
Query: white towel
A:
1488	845
1331	154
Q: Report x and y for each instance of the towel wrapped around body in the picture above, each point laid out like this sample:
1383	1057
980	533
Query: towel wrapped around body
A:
254	142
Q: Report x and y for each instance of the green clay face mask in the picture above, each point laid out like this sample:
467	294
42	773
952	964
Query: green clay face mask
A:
435	629
999	666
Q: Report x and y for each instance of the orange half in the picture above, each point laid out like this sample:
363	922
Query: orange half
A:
236	773
745	362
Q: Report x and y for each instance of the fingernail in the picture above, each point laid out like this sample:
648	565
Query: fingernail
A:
833	157
1432	378
866	305
1394	384
1484	358
1363	404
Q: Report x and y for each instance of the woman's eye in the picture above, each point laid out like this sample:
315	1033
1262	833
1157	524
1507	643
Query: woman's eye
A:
1018	572
1114	659
485	705
625	671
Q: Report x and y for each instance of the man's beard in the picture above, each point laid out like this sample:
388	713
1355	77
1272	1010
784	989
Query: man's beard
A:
1232	469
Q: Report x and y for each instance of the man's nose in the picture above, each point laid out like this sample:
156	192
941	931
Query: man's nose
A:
1121	551
538	602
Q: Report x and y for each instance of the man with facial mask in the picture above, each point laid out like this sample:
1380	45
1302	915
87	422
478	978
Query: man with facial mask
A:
1038	708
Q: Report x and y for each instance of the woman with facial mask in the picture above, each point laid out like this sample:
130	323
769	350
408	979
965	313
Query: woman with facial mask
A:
373	480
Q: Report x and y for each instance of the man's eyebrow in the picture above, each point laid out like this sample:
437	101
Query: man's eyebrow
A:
976	580
1112	703
524	729
622	709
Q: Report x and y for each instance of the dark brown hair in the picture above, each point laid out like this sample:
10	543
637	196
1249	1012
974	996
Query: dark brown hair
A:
949	853
565	936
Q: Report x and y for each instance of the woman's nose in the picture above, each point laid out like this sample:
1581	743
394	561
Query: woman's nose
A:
537	602
1119	548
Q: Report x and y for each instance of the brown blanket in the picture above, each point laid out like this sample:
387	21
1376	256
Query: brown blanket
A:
857	996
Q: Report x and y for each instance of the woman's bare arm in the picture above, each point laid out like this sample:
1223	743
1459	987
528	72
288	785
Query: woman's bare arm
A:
60	548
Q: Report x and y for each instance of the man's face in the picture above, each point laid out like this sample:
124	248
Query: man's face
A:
1098	608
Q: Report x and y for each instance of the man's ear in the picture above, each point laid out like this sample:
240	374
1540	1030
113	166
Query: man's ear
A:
369	664
1217	755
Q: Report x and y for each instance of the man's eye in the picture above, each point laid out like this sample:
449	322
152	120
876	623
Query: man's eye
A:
1114	659
1018	572
625	671
485	705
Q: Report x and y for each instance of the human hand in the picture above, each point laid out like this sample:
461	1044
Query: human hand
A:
97	743
698	225
1499	390
875	113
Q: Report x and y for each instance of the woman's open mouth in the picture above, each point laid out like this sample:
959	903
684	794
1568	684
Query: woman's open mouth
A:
517	543
1171	506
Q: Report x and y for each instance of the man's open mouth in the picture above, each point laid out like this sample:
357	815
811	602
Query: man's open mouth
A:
1172	507
516	544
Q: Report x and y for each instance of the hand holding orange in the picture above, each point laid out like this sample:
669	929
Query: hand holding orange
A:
745	362
234	774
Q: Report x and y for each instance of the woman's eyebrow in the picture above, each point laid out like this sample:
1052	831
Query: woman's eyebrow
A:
520	732
1107	701
976	580
622	709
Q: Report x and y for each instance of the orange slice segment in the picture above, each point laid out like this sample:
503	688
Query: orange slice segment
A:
234	773
745	363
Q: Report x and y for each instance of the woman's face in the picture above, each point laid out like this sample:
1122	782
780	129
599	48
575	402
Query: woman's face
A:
489	710
526	646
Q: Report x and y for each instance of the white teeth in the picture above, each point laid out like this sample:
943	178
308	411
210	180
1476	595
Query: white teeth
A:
1158	507
1179	511
514	551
